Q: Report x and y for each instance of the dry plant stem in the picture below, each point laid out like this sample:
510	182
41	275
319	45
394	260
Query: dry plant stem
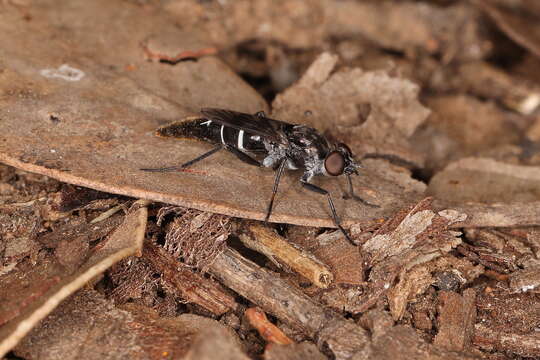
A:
192	286
268	331
288	304
266	241
107	214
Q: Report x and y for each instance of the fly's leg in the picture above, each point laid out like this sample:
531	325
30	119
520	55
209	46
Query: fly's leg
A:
352	195
274	190
186	164
243	156
321	191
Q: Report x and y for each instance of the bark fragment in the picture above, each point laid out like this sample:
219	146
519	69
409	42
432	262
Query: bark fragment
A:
190	285
457	316
400	251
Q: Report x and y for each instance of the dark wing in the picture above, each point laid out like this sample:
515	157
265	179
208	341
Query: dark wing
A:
257	125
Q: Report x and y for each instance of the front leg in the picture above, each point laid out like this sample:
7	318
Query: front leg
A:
322	191
352	195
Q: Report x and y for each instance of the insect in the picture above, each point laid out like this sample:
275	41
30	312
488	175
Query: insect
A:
264	142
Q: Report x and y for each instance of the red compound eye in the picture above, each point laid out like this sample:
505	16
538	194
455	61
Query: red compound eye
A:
334	163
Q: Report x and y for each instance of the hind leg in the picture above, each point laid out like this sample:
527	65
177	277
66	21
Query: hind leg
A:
186	164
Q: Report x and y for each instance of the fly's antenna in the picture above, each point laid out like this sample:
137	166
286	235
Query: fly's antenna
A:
394	159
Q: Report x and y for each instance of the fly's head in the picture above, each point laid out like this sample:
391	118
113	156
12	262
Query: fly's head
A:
340	161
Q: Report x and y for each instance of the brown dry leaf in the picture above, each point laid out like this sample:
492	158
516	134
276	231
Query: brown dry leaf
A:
47	284
498	214
100	136
486	81
485	180
430	28
461	125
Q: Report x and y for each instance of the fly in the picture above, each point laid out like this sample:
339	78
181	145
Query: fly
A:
264	142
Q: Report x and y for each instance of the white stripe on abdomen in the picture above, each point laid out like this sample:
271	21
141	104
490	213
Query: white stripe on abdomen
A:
222	137
241	139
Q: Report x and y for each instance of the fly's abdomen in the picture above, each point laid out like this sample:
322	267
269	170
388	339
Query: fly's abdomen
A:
240	139
192	128
197	128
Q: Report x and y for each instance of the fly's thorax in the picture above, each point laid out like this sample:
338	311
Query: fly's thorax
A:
275	154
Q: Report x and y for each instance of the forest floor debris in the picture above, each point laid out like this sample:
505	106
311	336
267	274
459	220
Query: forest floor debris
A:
440	102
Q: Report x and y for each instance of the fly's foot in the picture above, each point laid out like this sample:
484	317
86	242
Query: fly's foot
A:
353	196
